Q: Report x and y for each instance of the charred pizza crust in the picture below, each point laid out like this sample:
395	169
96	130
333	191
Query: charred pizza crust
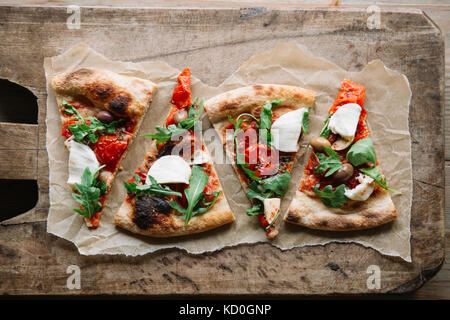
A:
124	96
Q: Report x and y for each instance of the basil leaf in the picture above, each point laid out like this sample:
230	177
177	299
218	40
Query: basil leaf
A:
325	132
197	184
362	152
376	175
305	121
330	198
332	163
277	184
252	194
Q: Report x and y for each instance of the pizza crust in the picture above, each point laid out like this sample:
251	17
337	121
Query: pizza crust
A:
171	225
124	96
309	211
246	99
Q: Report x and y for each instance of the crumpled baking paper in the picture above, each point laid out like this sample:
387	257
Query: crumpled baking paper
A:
387	101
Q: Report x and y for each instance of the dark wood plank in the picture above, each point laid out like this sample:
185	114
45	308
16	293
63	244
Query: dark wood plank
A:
216	42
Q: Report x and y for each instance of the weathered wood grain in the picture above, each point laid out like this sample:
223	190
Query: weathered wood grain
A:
216	42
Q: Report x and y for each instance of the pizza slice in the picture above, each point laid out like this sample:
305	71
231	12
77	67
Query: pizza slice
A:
100	113
176	190
260	127
343	187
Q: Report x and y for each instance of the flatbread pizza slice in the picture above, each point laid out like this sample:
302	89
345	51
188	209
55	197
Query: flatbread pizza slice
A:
100	114
260	127
176	190
343	187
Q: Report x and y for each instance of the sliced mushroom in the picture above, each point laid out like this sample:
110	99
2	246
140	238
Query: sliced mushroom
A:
341	144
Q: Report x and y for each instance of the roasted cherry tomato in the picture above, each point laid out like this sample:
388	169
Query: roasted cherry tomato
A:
261	159
109	150
65	132
263	220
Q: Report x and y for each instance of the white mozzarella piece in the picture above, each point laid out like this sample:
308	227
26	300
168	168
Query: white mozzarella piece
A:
80	157
271	208
287	129
345	120
170	169
363	190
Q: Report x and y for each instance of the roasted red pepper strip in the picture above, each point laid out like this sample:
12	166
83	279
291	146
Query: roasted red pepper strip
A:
181	97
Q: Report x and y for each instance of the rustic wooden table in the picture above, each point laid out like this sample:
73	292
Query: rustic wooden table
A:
56	253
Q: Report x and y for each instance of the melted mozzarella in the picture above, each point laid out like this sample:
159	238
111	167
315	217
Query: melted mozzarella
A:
80	157
287	129
170	169
345	120
271	208
363	190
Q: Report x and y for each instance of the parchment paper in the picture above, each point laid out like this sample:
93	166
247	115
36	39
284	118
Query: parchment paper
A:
387	101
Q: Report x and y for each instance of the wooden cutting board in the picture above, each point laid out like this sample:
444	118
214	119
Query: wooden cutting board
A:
214	42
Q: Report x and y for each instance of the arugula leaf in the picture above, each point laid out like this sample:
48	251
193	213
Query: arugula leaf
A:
267	188
265	121
332	199
255	210
240	158
89	191
361	152
248	172
325	132
163	135
202	206
145	189
70	109
376	175
305	121
193	116
197	184
84	132
332	163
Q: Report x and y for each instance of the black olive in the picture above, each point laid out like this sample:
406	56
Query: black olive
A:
344	173
105	116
